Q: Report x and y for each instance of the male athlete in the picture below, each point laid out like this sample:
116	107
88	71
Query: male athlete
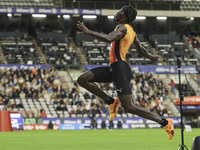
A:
119	71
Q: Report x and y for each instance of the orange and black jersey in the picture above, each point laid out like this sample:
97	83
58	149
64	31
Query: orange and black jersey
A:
120	47
119	71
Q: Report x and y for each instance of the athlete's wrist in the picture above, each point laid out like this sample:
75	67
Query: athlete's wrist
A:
89	32
149	56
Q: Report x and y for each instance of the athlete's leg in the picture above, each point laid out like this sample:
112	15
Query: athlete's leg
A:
86	80
130	107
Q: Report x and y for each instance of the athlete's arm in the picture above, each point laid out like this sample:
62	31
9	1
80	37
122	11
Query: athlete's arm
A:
142	51
117	34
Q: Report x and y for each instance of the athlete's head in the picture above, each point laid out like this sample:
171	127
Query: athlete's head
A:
127	13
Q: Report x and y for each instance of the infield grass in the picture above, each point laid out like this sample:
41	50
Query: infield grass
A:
132	139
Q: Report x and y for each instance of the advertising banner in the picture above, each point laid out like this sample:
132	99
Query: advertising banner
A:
29	126
41	127
15	66
72	120
157	69
152	124
87	120
16	121
115	120
53	11
35	127
74	126
177	120
53	120
189	100
29	121
100	119
134	126
190	107
56	127
134	120
124	126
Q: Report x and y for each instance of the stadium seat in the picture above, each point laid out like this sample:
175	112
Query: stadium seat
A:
73	116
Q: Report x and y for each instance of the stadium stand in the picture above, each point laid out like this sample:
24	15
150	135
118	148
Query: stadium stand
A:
24	3
26	89
117	4
169	47
60	54
193	5
21	51
40	92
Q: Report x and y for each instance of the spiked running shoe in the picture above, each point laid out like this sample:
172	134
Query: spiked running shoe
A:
113	109
169	128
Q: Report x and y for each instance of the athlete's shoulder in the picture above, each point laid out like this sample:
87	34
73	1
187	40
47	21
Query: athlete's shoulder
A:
129	26
120	27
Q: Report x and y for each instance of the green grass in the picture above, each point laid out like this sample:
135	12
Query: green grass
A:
133	139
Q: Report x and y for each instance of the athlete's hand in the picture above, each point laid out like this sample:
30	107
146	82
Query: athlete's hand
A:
154	58
83	29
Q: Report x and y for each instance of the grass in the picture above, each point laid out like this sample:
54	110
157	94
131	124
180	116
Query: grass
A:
133	139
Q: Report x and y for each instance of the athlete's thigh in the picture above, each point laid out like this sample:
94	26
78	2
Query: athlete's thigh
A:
87	76
102	74
122	79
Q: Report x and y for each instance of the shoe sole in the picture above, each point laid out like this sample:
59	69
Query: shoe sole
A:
114	110
171	124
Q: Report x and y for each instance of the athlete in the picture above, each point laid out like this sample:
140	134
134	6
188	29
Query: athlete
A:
119	71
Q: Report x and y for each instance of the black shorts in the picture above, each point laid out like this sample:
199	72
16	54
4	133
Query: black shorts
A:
119	72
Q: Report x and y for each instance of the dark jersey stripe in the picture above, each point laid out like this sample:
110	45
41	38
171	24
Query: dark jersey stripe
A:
117	50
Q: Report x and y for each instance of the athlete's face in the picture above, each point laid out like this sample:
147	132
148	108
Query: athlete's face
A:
119	15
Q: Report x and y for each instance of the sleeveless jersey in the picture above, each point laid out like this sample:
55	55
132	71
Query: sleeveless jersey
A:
120	47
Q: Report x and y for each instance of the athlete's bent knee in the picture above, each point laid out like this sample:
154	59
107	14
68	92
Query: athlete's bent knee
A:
81	80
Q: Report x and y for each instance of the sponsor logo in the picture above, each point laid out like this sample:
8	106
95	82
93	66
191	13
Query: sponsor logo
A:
41	127
119	90
22	10
137	125
154	125
35	127
67	11
56	127
15	115
9	10
47	120
67	127
98	12
151	122
99	121
54	11
136	69
44	10
29	127
76	11
14	121
134	121
88	121
69	121
125	126
84	126
3	10
32	10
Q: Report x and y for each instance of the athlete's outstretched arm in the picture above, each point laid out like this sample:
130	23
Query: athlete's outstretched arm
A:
142	51
117	34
